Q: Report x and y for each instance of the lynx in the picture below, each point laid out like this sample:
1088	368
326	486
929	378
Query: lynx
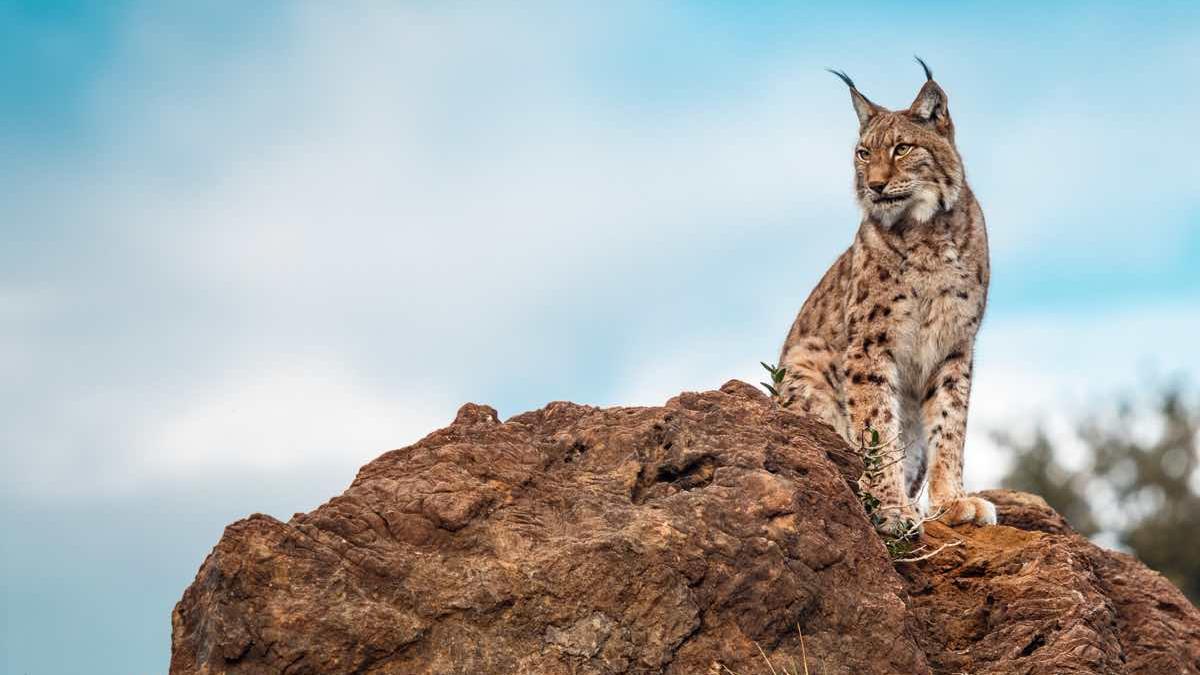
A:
883	345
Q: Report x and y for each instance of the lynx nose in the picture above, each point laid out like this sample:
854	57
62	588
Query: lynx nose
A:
877	186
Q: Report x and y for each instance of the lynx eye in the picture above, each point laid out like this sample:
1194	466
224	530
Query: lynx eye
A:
863	154
903	149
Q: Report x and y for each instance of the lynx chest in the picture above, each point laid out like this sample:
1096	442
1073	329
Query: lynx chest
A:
940	311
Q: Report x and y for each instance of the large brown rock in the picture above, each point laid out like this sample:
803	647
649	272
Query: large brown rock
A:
680	539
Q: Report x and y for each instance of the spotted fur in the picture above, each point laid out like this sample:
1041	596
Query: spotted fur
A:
885	341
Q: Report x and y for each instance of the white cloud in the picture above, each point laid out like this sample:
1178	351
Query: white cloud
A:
446	170
410	192
294	415
697	364
418	196
1063	185
286	418
1053	368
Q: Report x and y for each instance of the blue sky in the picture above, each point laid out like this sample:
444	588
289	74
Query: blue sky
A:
245	250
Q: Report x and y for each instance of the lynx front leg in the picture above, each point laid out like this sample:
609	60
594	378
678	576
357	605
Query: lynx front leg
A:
944	413
873	405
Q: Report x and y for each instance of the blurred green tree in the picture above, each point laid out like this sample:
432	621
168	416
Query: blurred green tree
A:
1138	483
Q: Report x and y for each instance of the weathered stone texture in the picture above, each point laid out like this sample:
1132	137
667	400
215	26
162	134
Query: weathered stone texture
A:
678	539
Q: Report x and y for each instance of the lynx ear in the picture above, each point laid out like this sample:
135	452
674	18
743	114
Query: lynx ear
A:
930	104
862	107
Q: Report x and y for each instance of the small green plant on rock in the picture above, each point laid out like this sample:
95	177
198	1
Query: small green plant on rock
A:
777	374
899	539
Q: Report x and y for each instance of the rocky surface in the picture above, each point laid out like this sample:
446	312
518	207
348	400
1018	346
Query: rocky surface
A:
700	537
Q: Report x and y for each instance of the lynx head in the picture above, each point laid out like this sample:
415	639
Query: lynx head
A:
906	166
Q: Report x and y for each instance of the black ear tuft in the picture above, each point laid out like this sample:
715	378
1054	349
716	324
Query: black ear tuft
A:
928	73
862	106
845	78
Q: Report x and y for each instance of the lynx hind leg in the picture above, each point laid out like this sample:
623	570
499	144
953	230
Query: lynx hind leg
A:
813	383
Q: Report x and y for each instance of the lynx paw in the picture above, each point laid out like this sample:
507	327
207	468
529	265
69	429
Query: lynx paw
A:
964	509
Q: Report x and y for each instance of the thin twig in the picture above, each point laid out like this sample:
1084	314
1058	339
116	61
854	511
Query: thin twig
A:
894	462
930	554
898	506
915	528
884	444
803	651
862	442
764	655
